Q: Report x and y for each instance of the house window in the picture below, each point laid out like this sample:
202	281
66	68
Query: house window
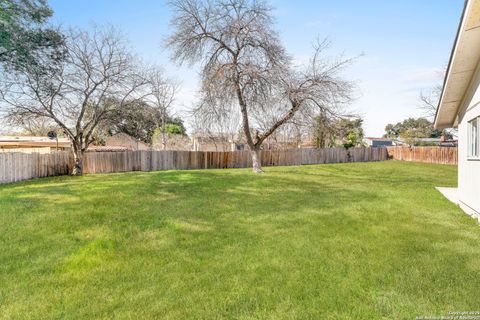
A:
473	138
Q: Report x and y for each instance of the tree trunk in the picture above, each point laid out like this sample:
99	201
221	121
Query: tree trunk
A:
164	139
256	160
78	162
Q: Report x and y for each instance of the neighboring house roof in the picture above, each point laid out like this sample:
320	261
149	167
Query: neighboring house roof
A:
124	140
378	142
106	149
214	137
32	142
307	144
462	66
378	139
423	139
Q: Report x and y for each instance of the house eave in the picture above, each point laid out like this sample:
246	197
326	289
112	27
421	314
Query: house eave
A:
461	68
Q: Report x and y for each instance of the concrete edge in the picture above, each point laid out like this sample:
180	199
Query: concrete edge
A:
451	194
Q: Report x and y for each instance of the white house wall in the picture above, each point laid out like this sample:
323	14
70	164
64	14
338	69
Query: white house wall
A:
469	170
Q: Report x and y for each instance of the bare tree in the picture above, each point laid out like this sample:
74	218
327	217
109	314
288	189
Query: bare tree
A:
161	98
429	101
97	75
317	90
238	48
217	124
32	125
243	60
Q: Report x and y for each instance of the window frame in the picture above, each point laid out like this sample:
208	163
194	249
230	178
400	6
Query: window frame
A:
473	125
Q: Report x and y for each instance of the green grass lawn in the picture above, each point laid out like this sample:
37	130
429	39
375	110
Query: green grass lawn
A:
345	241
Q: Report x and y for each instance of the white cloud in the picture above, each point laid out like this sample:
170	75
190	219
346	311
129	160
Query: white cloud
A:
422	75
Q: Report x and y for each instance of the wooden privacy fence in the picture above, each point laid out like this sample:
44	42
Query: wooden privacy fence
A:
104	162
441	155
22	166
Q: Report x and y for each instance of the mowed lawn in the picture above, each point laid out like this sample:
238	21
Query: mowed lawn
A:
344	241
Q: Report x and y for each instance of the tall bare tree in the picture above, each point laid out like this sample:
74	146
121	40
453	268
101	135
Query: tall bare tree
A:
243	61
238	48
97	75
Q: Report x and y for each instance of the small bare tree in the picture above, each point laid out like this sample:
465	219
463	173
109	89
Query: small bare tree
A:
243	61
97	75
428	104
214	122
161	98
34	126
429	101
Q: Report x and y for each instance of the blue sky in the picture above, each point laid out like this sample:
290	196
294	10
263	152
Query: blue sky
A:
406	44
